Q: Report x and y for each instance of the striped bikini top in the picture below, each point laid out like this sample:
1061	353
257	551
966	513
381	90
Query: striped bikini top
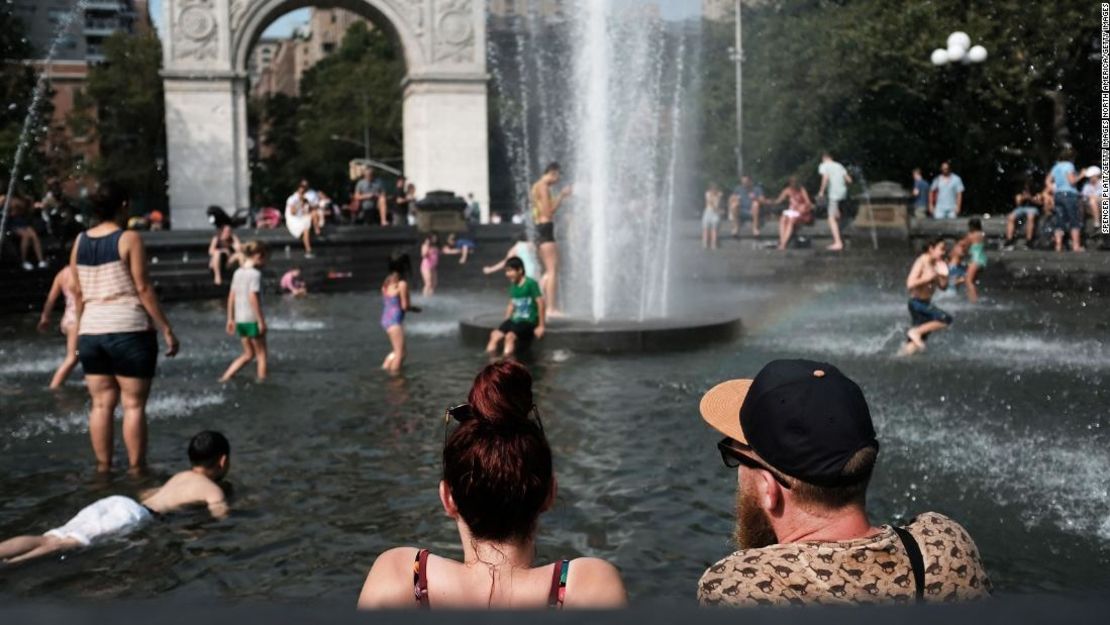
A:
555	597
111	300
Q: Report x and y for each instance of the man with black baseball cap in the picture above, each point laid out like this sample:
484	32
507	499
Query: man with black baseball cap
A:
802	437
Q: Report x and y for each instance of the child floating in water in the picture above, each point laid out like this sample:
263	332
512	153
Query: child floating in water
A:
929	272
244	311
973	247
63	285
525	317
115	516
293	284
462	248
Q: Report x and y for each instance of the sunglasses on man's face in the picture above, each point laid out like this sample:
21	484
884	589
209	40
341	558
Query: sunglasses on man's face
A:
464	412
734	454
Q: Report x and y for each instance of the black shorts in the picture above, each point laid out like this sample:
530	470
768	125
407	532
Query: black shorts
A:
124	354
523	331
545	233
922	311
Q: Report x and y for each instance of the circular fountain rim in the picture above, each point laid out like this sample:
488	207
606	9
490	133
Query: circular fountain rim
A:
618	335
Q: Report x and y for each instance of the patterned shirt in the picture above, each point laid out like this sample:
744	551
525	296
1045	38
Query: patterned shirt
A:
862	571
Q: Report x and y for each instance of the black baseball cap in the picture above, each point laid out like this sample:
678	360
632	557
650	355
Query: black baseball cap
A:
804	418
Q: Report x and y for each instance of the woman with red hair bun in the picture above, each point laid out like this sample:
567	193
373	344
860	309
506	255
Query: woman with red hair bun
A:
497	481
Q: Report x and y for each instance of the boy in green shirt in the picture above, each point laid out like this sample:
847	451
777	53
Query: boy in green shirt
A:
525	315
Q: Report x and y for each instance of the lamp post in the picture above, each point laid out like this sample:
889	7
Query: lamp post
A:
736	55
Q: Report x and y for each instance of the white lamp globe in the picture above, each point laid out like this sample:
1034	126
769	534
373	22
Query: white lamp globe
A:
939	57
977	54
959	39
956	53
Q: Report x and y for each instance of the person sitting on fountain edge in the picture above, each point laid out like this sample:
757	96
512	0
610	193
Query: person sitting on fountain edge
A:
801	438
526	314
116	516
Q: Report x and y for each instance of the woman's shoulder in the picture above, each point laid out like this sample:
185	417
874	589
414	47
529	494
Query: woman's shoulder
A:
594	583
389	583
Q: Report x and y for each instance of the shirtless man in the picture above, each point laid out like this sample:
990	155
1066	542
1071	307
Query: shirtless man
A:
544	204
115	516
928	273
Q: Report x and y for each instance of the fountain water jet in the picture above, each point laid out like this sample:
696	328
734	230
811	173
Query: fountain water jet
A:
32	112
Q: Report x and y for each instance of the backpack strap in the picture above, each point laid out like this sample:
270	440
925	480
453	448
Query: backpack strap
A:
917	561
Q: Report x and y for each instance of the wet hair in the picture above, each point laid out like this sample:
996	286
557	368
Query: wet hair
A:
931	243
108	200
553	166
497	464
400	264
515	264
975	225
206	448
857	473
255	248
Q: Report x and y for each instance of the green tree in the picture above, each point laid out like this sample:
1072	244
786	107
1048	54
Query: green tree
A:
17	87
123	107
854	77
355	89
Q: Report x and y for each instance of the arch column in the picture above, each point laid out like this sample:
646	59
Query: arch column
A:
446	136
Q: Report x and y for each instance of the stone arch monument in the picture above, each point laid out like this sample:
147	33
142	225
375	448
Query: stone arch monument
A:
206	48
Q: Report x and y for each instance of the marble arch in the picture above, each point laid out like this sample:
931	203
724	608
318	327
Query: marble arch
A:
205	52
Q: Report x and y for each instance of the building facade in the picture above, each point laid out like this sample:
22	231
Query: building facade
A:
80	46
277	65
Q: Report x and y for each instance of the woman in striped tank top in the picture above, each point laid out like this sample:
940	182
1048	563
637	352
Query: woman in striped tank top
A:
497	481
117	344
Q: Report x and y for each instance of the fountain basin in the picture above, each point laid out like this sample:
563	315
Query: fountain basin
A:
618	335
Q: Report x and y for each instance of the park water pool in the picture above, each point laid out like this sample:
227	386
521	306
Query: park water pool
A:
1001	425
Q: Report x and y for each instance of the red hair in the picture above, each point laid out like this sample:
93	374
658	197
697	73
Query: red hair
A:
497	464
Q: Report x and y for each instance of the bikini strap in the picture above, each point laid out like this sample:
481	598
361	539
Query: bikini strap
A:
420	580
558	585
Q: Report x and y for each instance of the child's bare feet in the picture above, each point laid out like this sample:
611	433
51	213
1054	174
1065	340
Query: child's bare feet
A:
915	337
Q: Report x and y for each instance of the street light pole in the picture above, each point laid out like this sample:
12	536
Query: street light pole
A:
739	58
366	124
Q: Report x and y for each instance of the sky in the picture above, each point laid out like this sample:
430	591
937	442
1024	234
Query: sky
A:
283	27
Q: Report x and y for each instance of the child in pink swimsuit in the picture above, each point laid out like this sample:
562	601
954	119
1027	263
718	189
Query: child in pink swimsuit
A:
429	260
63	286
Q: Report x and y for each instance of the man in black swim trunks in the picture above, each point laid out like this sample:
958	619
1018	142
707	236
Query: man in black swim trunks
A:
544	205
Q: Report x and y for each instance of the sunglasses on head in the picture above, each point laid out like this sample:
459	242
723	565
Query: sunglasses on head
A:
464	412
734	454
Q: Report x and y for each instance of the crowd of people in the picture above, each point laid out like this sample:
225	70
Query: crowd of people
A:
1052	211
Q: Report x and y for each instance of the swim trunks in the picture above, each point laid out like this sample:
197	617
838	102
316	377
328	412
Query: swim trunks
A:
523	330
111	516
923	311
247	330
545	233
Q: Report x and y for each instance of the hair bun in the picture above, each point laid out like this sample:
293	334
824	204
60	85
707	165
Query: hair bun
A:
502	393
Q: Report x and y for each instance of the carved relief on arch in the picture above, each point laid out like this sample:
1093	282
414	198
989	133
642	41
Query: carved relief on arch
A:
195	30
454	31
237	13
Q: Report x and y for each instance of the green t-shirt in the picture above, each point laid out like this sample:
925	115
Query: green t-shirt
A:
523	297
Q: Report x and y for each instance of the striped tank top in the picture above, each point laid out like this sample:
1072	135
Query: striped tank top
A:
111	300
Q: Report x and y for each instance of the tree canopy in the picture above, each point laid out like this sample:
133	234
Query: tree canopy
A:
358	87
854	77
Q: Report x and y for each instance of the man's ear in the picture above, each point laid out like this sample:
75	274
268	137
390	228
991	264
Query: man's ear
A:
770	492
445	498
